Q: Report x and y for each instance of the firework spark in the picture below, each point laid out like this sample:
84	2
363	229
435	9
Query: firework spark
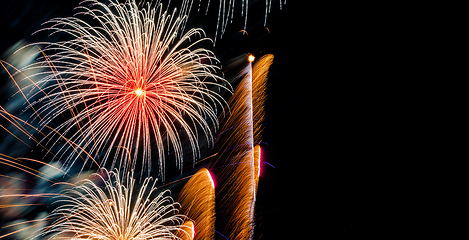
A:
133	81
89	211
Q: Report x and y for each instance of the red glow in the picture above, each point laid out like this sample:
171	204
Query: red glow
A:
259	164
211	179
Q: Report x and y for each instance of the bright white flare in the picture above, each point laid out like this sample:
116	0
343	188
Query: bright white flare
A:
128	82
139	92
114	211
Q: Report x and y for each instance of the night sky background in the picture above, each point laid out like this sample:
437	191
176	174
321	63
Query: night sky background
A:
313	187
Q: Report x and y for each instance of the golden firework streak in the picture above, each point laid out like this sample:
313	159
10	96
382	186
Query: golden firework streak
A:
241	130
197	199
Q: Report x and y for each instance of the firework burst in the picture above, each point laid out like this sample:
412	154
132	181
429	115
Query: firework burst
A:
131	83
89	211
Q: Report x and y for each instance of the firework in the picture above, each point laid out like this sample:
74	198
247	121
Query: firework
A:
131	83
260	71
89	211
241	131
197	199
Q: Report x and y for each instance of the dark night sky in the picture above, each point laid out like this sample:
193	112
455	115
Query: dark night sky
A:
309	190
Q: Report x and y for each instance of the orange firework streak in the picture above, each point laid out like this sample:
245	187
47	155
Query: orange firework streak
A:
259	95
197	199
238	178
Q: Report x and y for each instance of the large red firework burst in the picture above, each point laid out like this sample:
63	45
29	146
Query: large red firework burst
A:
128	84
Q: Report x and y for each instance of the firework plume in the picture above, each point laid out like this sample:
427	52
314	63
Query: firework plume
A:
128	84
115	211
187	231
197	200
241	131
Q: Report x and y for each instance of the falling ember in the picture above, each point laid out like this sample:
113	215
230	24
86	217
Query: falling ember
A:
110	202
251	58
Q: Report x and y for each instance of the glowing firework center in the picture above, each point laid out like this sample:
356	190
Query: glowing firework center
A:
139	92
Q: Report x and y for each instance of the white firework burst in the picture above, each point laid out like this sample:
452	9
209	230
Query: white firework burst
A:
127	82
113	212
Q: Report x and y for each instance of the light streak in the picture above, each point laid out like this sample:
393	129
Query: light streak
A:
187	231
22	229
114	211
134	81
197	200
257	161
19	205
211	178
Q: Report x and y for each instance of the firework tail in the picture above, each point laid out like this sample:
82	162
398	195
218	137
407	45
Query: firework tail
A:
197	200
